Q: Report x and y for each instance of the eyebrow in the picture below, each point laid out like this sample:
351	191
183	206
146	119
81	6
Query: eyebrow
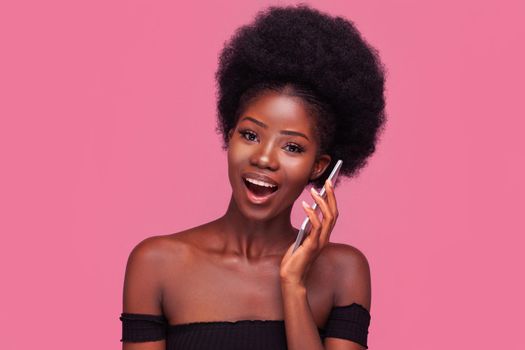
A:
284	132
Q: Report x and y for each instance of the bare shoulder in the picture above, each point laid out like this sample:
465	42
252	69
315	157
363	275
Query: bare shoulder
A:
166	250
151	266
353	282
346	258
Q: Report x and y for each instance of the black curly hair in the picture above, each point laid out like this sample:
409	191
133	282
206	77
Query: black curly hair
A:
299	51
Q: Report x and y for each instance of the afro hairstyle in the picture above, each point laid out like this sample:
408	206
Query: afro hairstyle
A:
320	58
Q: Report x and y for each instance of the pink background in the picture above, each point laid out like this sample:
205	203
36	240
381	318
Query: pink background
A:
105	105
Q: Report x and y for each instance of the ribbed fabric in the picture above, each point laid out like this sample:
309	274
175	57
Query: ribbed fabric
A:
347	322
141	328
240	335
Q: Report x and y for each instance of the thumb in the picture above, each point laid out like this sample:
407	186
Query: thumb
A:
289	252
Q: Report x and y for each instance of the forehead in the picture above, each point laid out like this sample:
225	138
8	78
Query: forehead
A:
280	112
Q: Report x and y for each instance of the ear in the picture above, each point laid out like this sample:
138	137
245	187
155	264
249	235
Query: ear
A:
320	166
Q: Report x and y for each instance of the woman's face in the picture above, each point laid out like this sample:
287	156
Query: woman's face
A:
272	155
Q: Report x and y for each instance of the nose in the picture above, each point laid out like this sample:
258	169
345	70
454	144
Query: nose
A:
265	157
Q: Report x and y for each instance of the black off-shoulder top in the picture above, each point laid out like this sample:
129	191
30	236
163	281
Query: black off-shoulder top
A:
347	322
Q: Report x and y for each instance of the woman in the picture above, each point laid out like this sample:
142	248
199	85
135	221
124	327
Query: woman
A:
298	90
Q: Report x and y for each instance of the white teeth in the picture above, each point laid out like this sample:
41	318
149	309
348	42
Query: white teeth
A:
260	183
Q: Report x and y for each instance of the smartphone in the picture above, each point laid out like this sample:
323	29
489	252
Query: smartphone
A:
305	227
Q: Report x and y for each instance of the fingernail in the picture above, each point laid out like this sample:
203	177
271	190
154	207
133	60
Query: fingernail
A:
314	191
305	205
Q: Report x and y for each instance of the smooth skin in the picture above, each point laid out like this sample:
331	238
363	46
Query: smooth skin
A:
241	265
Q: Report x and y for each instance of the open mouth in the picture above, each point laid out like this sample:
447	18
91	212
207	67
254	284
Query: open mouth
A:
259	188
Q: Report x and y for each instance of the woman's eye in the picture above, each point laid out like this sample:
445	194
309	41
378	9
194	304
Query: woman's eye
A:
252	137
294	148
248	135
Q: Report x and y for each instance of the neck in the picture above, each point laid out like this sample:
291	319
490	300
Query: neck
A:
251	238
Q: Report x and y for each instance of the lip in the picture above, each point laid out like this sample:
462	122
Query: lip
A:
260	177
251	196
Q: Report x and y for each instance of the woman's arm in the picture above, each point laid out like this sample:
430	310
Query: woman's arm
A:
301	330
142	287
150	345
353	281
353	286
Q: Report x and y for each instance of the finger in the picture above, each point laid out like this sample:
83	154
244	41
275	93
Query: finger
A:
312	239
289	252
287	255
330	198
328	216
328	219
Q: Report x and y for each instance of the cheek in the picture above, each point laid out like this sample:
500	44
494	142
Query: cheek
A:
232	161
298	173
298	167
236	154
238	160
